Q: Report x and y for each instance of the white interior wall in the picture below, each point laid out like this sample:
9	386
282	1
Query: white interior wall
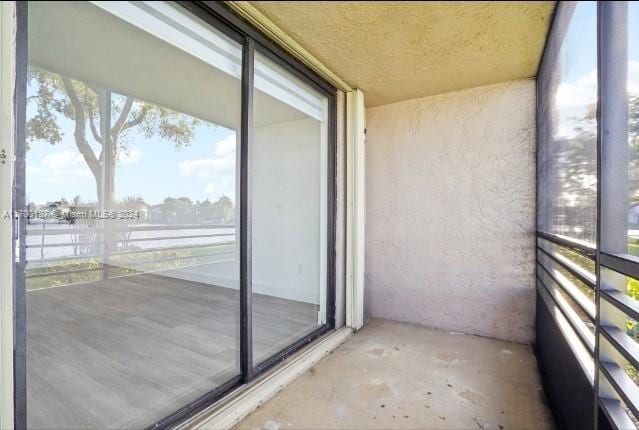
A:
451	211
287	214
286	208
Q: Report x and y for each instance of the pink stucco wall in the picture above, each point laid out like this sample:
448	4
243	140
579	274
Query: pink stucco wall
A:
451	211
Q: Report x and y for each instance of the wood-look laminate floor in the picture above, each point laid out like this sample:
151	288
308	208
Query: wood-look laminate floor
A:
124	353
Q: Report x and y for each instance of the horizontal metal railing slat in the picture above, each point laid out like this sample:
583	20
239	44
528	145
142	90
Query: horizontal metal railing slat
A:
588	251
625	387
628	265
579	326
625	264
569	288
100	267
622	343
579	272
56	231
622	301
616	414
585	357
127	252
142	239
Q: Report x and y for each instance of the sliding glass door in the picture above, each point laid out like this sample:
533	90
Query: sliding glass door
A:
131	182
177	223
289	151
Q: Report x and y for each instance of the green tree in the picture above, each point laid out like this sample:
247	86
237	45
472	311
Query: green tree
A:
177	210
223	210
133	203
84	104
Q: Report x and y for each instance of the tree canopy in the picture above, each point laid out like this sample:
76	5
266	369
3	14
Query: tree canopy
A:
83	103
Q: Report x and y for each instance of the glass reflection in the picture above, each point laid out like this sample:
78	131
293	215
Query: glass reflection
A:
132	270
568	133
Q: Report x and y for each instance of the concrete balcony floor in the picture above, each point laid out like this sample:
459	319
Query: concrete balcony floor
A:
392	375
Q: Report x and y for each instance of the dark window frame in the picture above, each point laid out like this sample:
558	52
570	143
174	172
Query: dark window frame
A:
225	20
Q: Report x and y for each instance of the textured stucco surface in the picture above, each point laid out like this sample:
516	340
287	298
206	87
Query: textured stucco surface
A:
397	51
450	211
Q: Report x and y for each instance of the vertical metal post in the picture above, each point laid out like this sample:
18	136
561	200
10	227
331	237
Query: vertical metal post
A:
613	107
595	408
19	204
44	224
331	207
595	411
612	168
107	176
246	148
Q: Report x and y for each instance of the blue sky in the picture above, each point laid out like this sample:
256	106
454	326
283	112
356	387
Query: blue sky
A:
580	44
578	88
153	169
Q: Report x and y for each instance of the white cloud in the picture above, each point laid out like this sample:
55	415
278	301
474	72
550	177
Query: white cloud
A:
633	78
131	157
578	94
583	91
573	99
61	167
222	186
226	146
62	160
219	170
207	167
222	162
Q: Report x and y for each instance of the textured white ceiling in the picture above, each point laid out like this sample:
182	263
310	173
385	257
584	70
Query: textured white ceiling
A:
396	51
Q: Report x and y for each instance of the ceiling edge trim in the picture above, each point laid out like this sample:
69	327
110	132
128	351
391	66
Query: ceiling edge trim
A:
266	26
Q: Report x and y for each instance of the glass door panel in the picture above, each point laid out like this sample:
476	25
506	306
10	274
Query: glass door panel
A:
133	112
289	209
